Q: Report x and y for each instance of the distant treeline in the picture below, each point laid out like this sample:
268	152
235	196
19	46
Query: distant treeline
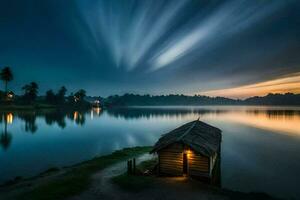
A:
172	100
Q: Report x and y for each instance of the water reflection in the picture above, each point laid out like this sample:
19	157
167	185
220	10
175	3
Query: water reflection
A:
148	112
283	120
9	118
258	143
95	111
58	118
6	137
78	118
30	125
30	121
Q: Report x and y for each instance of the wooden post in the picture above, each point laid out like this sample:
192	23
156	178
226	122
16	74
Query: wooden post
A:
158	167
134	168
130	166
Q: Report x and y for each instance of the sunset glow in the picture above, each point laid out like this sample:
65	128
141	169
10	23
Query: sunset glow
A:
280	85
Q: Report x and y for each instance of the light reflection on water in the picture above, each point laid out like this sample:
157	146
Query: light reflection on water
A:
260	146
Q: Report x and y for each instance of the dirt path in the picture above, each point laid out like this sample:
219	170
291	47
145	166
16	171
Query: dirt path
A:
166	188
162	188
102	188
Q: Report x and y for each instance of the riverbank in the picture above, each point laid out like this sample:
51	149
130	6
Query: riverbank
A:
104	177
149	186
65	182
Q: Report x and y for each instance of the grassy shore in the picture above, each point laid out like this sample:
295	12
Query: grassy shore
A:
60	184
134	183
76	179
142	186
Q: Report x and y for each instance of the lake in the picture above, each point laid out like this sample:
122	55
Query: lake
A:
260	145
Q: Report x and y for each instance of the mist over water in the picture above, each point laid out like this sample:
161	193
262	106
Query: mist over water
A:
259	152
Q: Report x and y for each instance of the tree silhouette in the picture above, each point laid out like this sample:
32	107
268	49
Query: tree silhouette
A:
30	92
6	76
61	95
50	97
30	122
80	94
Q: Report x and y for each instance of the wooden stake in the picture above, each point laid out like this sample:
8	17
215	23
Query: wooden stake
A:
134	168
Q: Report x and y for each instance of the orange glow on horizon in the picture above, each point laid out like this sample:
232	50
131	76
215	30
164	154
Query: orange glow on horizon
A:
280	85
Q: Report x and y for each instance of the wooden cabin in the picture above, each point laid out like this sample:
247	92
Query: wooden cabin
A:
191	149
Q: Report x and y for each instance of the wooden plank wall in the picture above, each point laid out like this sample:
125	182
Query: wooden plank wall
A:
198	165
171	160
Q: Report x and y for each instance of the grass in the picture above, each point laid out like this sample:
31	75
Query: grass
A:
147	164
136	183
133	183
77	178
49	171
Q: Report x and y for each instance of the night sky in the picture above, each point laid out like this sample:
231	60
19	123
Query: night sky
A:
158	47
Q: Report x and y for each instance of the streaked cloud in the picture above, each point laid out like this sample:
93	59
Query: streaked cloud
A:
133	31
150	46
226	20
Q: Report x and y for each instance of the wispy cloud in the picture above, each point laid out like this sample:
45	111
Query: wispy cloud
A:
229	19
131	31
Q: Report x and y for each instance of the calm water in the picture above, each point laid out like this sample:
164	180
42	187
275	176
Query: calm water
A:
260	147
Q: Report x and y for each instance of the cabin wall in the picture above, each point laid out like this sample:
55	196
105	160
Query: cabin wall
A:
198	165
171	160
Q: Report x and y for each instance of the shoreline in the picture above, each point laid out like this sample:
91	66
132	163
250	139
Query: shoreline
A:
71	180
39	107
65	182
26	107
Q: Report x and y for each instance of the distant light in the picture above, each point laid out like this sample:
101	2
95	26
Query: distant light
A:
9	118
76	115
98	110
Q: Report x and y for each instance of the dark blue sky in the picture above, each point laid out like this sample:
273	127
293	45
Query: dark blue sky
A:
178	46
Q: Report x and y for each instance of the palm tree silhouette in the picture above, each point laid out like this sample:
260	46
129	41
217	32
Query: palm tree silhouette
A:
6	76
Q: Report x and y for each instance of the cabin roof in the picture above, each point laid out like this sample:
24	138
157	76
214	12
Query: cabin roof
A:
201	137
